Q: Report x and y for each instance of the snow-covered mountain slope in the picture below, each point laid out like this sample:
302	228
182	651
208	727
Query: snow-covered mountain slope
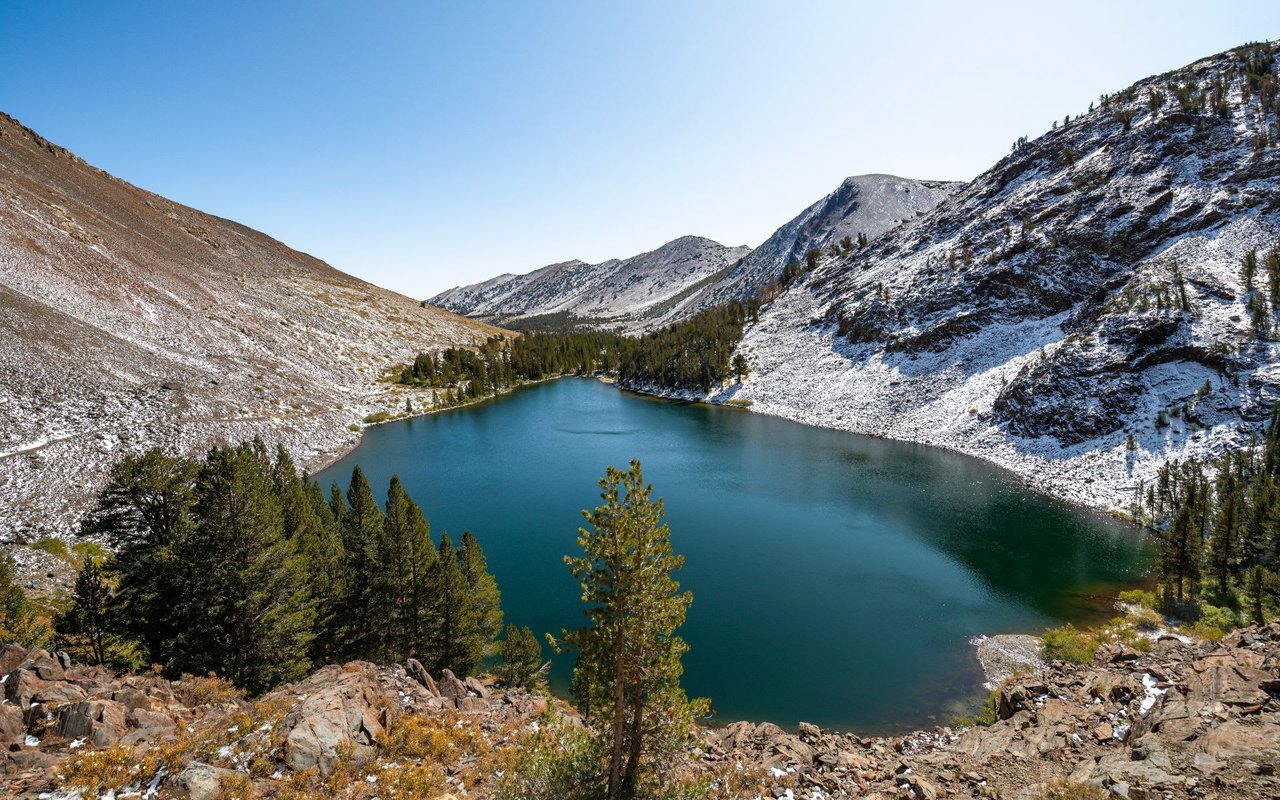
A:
869	205
1078	313
129	321
624	294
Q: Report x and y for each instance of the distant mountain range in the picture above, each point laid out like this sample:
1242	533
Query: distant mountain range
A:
622	293
691	273
129	321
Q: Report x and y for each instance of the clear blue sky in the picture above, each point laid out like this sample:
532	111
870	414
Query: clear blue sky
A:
423	145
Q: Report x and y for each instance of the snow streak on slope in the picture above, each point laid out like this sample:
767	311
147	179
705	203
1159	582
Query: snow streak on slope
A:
1076	314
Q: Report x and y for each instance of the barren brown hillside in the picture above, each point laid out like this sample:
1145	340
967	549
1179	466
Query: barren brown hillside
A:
127	320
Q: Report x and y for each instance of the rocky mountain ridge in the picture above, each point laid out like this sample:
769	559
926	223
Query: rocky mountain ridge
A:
866	205
1078	313
1193	719
691	274
620	294
129	321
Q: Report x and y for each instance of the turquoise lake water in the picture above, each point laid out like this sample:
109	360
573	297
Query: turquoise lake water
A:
837	578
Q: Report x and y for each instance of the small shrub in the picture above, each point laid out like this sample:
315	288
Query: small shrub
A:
53	546
376	417
235	787
987	717
104	771
1140	597
1214	623
430	738
559	762
194	691
354	428
1069	644
86	549
1144	619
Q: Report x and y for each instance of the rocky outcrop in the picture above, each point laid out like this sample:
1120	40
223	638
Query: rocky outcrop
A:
1186	719
863	205
339	715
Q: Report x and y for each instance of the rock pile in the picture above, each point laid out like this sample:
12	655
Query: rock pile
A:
53	711
1198	719
1185	719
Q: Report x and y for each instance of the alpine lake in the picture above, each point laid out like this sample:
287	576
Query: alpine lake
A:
837	579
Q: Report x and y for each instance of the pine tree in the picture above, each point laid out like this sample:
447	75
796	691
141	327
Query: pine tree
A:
628	655
87	617
317	544
521	658
1180	555
456	641
362	528
144	511
1249	268
245	607
19	622
405	594
1226	527
487	600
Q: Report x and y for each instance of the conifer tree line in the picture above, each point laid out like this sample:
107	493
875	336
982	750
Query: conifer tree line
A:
239	564
1219	531
693	354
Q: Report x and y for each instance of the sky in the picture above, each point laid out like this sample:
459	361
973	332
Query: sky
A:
425	145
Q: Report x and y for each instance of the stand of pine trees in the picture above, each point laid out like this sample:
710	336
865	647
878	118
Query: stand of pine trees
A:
238	564
693	355
1219	532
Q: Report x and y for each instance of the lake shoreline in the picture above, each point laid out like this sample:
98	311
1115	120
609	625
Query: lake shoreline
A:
959	690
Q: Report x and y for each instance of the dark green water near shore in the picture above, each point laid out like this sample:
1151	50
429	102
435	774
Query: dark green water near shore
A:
837	578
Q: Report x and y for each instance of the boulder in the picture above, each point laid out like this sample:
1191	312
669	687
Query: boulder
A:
340	706
12	724
203	781
21	686
101	721
11	655
451	687
476	687
413	667
60	693
45	666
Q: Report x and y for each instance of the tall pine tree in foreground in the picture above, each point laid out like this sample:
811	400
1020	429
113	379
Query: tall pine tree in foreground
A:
485	596
405	591
248	614
629	656
456	641
362	530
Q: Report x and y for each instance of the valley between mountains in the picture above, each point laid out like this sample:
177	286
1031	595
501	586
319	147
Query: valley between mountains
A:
1098	313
